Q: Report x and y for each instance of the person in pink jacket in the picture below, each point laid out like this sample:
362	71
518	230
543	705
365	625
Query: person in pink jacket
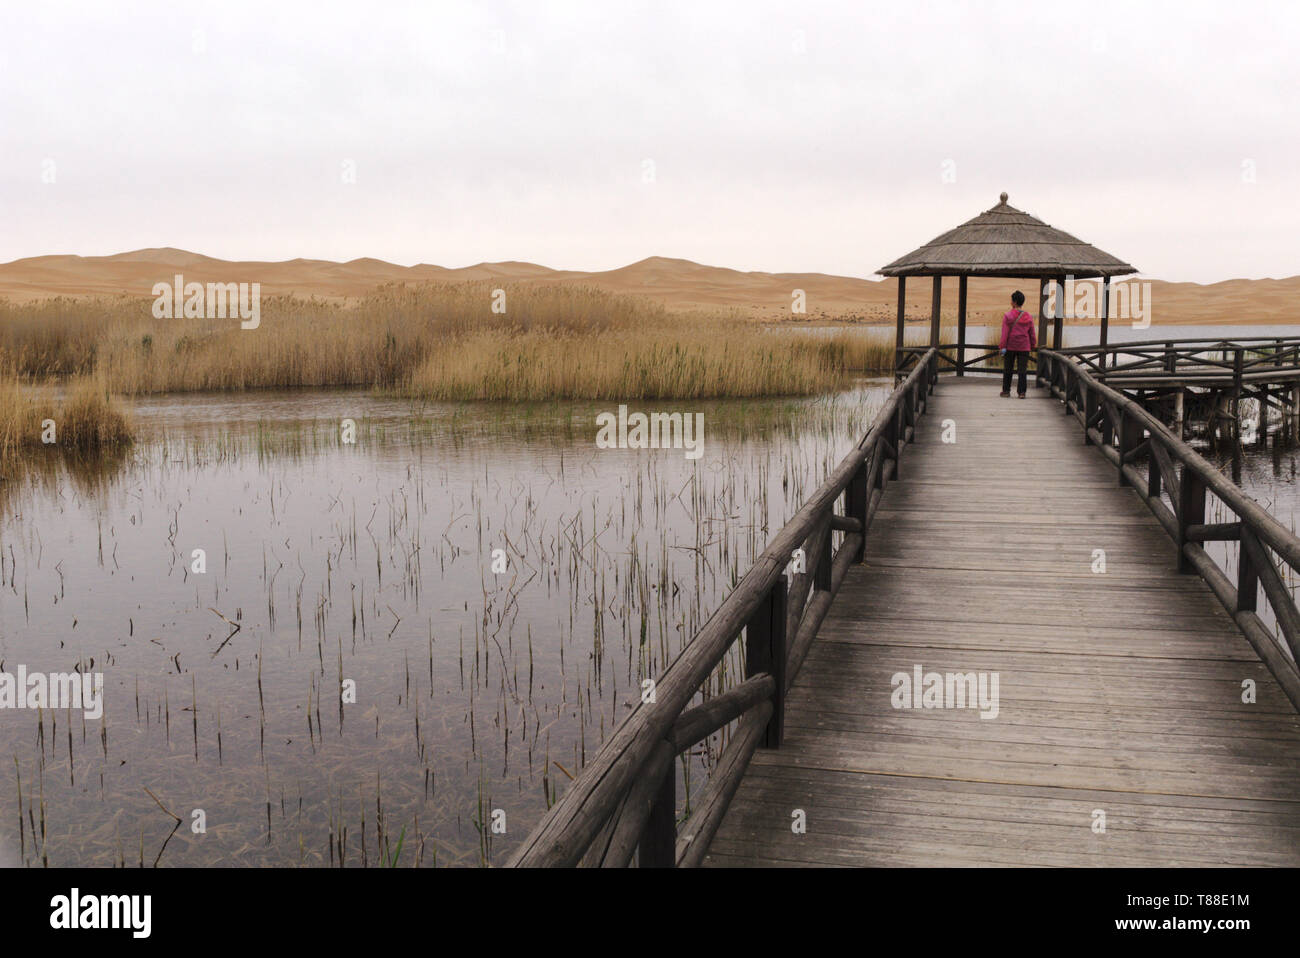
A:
1018	341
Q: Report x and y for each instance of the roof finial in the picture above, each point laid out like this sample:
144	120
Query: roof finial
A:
1004	199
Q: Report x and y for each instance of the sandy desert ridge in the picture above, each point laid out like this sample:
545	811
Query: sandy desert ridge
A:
678	283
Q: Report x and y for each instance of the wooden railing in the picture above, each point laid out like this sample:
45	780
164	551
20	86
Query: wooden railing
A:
1189	360
960	358
1125	432
625	798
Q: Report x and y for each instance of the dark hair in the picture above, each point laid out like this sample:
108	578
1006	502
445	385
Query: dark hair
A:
1018	298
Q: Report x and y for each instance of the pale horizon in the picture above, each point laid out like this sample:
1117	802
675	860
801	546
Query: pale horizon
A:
830	139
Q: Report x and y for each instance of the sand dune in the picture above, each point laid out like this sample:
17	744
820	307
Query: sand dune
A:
679	283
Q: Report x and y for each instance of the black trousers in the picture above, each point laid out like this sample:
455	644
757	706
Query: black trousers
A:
1020	360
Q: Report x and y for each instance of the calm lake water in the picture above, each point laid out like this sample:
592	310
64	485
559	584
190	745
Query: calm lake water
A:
367	569
476	692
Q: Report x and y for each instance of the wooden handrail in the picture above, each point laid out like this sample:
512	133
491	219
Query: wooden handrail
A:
1209	359
1107	415
624	797
1189	360
1213	341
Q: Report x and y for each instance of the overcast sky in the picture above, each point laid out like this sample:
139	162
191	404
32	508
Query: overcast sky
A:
804	136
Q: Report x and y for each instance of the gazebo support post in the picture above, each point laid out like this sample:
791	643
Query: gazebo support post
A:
1105	316
1042	326
935	298
961	326
1058	326
898	347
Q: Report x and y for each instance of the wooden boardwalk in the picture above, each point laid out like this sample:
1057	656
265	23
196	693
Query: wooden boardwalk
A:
1118	692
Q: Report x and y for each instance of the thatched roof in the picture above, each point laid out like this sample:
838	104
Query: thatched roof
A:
1004	241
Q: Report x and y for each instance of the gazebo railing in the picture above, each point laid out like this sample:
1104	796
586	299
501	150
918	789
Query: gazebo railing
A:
1187	360
956	358
1190	359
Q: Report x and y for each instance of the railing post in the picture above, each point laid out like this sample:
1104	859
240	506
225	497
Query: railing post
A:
896	431
1247	574
1291	413
1130	437
1121	437
657	845
1261	433
858	498
1237	363
825	562
1091	402
1191	511
1153	471
765	652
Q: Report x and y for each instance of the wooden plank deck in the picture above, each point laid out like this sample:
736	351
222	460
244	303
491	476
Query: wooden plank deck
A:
1118	691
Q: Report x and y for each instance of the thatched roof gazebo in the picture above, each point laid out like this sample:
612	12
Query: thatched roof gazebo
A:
1005	242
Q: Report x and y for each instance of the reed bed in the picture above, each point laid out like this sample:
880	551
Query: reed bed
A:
622	365
686	359
438	341
86	417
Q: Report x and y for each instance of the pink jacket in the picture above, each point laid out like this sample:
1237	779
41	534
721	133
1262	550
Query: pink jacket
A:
1018	335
